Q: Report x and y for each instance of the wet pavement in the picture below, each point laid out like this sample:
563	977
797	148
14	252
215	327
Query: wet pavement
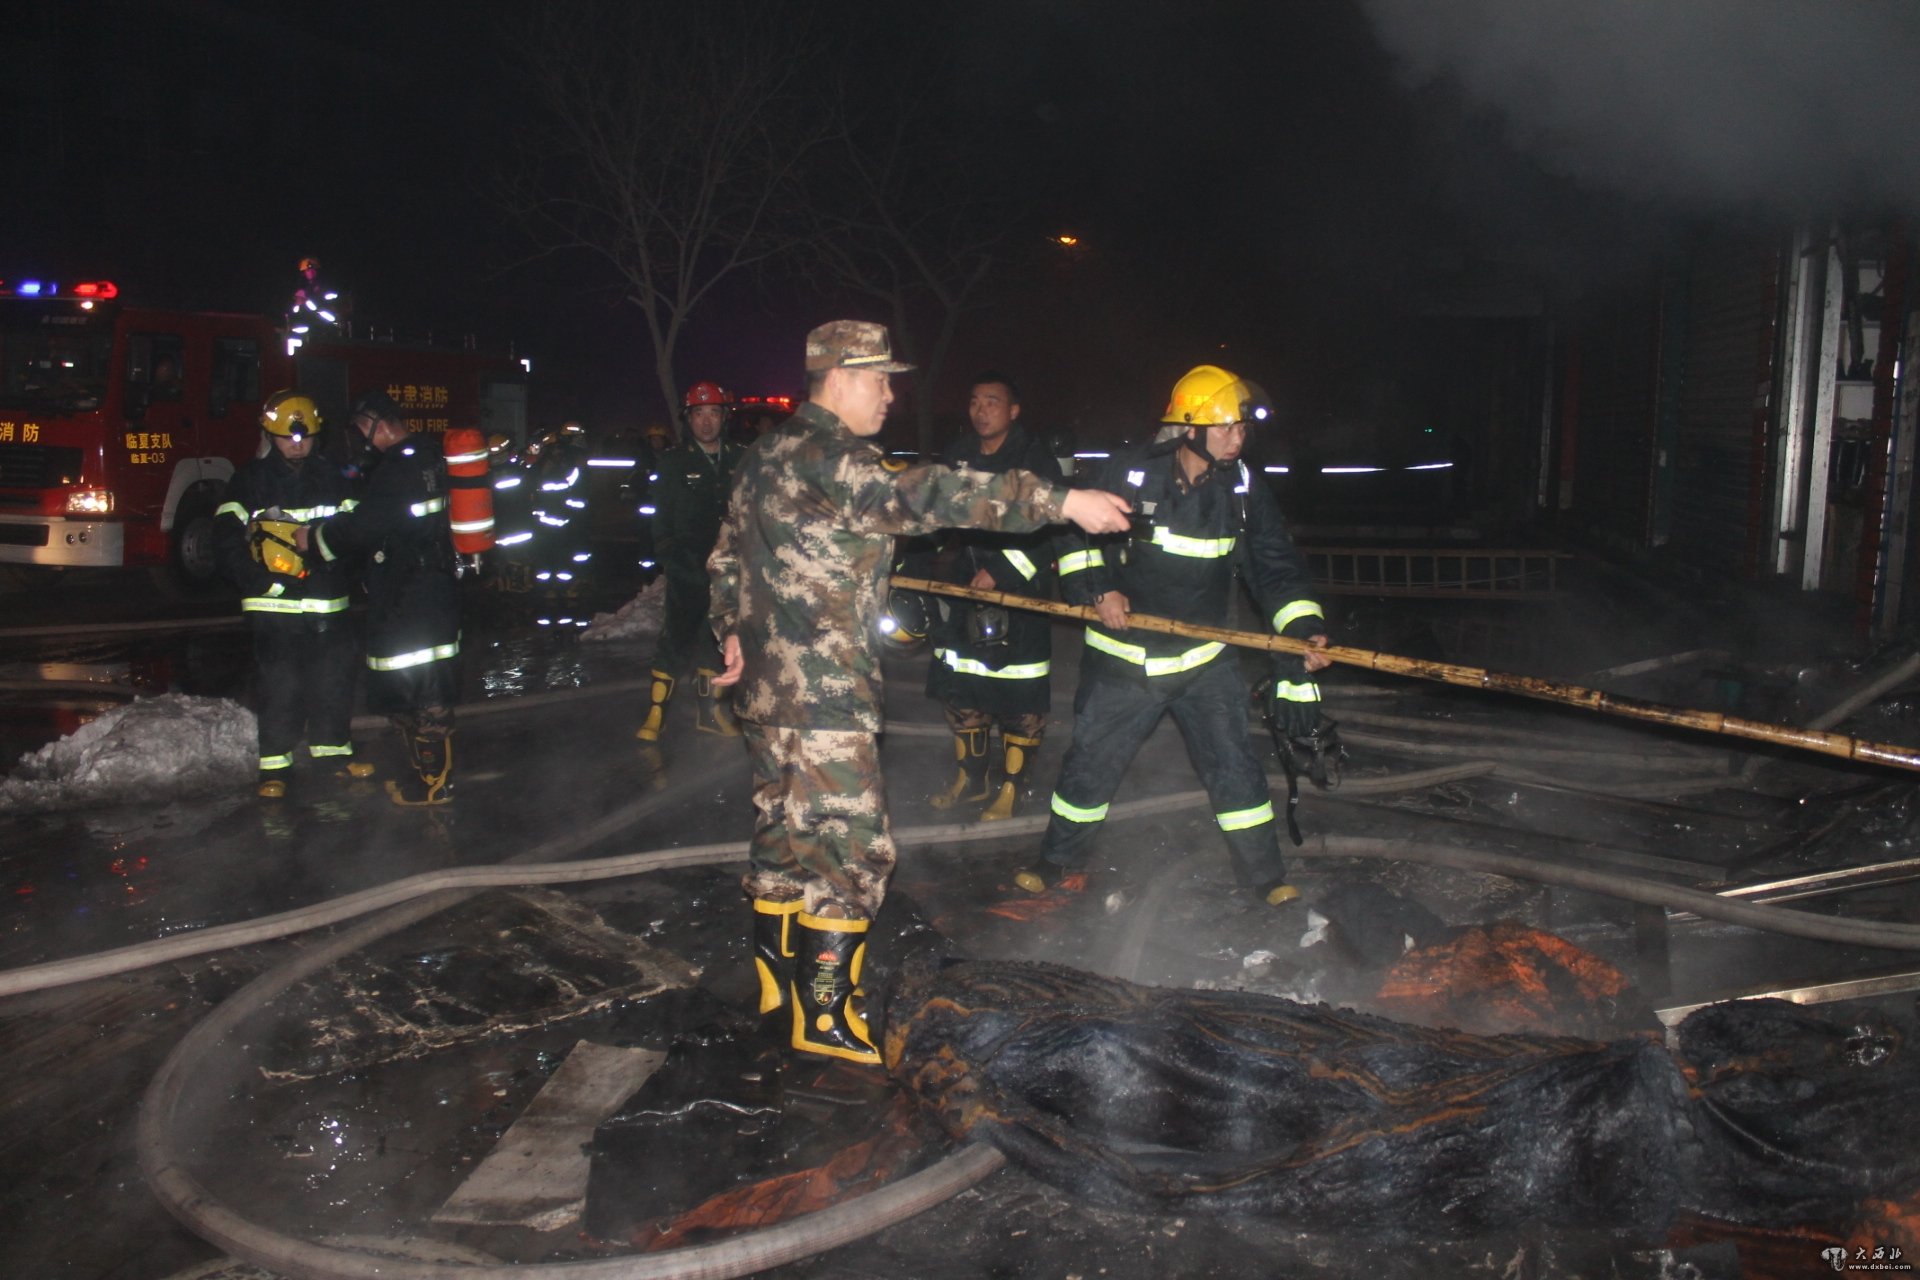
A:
358	1102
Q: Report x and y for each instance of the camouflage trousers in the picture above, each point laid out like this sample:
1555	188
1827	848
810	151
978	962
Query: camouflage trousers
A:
820	819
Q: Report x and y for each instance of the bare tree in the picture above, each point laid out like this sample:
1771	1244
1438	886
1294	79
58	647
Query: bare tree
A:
666	135
898	211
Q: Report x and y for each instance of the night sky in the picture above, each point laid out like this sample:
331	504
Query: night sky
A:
1282	187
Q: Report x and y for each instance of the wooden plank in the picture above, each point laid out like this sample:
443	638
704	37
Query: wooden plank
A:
536	1175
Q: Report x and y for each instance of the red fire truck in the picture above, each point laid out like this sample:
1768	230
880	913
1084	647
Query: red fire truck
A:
120	423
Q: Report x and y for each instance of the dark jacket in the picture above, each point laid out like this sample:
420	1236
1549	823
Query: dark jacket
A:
306	492
1180	561
1008	679
401	527
689	501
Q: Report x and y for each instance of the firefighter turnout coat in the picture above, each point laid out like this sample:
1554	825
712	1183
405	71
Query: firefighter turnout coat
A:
402	528
303	642
272	488
1010	679
1180	560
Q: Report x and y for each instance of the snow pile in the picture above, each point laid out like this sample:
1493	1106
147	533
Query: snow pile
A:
637	619
151	749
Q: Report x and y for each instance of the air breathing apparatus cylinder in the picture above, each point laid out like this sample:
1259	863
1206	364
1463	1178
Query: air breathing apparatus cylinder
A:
470	495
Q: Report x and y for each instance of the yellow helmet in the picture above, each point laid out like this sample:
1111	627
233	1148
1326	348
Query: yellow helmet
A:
272	543
290	414
1209	396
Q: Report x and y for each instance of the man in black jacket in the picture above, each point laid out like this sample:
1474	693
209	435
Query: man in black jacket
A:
991	665
690	489
1201	520
413	599
303	646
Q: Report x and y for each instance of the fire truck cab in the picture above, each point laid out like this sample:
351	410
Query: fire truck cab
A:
120	424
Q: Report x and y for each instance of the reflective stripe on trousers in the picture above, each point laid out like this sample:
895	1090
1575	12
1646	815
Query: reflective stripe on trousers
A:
1113	717
282	604
418	658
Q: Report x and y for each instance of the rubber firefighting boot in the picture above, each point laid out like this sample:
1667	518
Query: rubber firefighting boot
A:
661	693
1015	755
773	941
272	784
713	706
1277	892
1040	875
970	781
828	1016
432	764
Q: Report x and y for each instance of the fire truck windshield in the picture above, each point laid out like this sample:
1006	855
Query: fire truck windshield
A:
53	357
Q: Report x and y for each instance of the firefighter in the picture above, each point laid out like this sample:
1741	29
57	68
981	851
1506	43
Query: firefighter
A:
798	576
991	664
413	603
510	565
1201	518
690	492
303	645
555	492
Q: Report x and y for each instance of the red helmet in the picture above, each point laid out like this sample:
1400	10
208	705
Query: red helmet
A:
706	393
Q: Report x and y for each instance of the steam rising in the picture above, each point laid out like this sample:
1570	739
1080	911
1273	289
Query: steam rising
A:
1788	104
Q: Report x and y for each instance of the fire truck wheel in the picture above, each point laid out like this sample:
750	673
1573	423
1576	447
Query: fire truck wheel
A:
191	569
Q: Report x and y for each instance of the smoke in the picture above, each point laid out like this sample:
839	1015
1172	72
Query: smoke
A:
1785	104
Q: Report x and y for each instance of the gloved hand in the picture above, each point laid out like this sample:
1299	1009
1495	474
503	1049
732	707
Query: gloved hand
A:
1296	716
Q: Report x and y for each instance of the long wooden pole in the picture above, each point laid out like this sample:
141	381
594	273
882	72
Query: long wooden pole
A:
1572	695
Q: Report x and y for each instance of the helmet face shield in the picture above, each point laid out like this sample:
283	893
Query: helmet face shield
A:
1256	407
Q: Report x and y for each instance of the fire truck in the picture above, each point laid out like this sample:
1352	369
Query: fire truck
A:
121	423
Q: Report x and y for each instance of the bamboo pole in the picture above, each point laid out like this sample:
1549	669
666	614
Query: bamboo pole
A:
1572	695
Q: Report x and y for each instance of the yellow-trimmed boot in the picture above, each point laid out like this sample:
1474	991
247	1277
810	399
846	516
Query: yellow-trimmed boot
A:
433	767
1016	754
970	781
773	929
661	693
714	707
828	1005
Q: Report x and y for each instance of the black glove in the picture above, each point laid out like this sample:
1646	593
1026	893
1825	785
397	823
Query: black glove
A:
1304	740
1293	717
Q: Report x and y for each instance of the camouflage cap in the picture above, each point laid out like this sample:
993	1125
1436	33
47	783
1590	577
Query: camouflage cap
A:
851	344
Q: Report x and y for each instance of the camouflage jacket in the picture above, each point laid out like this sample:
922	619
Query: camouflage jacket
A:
800	570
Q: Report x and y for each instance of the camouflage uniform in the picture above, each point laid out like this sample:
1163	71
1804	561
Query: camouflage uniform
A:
799	575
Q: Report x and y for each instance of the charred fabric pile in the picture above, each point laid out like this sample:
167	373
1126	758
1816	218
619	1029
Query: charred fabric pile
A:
1228	1102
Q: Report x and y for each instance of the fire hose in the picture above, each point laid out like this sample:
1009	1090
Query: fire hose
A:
166	1104
163	1108
1821	741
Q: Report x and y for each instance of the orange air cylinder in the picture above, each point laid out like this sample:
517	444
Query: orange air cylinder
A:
470	496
